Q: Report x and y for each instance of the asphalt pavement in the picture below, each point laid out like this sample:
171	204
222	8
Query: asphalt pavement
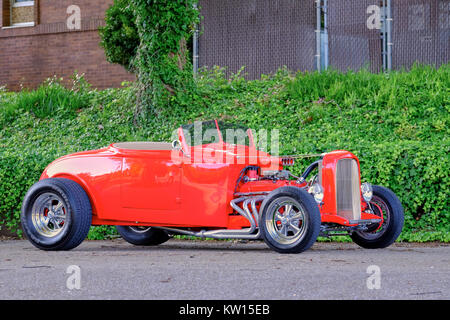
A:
223	270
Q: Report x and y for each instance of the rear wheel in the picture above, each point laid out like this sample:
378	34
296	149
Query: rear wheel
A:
56	214
290	220
385	204
142	236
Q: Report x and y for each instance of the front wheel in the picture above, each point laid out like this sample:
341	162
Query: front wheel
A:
142	236
385	204
290	220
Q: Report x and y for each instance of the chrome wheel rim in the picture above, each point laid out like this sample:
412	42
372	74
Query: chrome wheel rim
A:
49	215
286	221
140	229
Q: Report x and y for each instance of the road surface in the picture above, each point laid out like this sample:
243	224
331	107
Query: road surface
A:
204	270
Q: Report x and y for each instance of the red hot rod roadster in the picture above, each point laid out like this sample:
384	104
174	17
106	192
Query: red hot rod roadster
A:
205	184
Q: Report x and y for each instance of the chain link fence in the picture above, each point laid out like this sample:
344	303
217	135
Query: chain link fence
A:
264	35
352	44
420	32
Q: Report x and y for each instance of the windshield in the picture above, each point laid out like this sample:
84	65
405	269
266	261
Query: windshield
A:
206	132
233	133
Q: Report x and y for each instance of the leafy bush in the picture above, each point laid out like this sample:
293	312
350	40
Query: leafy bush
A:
120	37
397	124
150	38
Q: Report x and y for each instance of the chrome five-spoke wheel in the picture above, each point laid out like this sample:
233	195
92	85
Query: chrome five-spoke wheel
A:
286	221
49	215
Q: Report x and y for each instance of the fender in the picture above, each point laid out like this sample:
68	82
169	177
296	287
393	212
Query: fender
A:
83	184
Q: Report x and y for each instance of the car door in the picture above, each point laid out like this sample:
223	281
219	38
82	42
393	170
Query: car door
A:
150	181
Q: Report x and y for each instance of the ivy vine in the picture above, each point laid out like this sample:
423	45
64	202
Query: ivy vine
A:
161	62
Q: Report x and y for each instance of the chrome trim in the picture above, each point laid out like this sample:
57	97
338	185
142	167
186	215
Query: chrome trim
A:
365	221
320	166
242	194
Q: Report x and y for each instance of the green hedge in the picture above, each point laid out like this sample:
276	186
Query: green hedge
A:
397	124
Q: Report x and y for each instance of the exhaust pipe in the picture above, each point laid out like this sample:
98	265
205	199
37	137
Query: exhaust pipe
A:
247	233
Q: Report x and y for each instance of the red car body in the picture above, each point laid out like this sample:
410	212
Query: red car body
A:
147	187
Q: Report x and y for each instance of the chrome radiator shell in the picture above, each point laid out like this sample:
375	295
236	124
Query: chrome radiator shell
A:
348	196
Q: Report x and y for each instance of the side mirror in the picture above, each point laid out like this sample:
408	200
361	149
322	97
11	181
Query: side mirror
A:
176	145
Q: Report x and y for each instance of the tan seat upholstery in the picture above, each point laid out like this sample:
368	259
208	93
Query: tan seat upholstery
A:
143	145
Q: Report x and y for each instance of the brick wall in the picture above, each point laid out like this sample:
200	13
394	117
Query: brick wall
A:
29	55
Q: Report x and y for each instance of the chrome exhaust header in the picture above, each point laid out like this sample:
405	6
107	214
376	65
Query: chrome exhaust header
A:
251	214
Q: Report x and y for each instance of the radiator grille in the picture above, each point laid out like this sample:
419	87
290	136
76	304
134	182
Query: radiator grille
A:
348	199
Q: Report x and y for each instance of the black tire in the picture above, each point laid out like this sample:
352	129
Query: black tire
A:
278	233
143	236
392	211
56	214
